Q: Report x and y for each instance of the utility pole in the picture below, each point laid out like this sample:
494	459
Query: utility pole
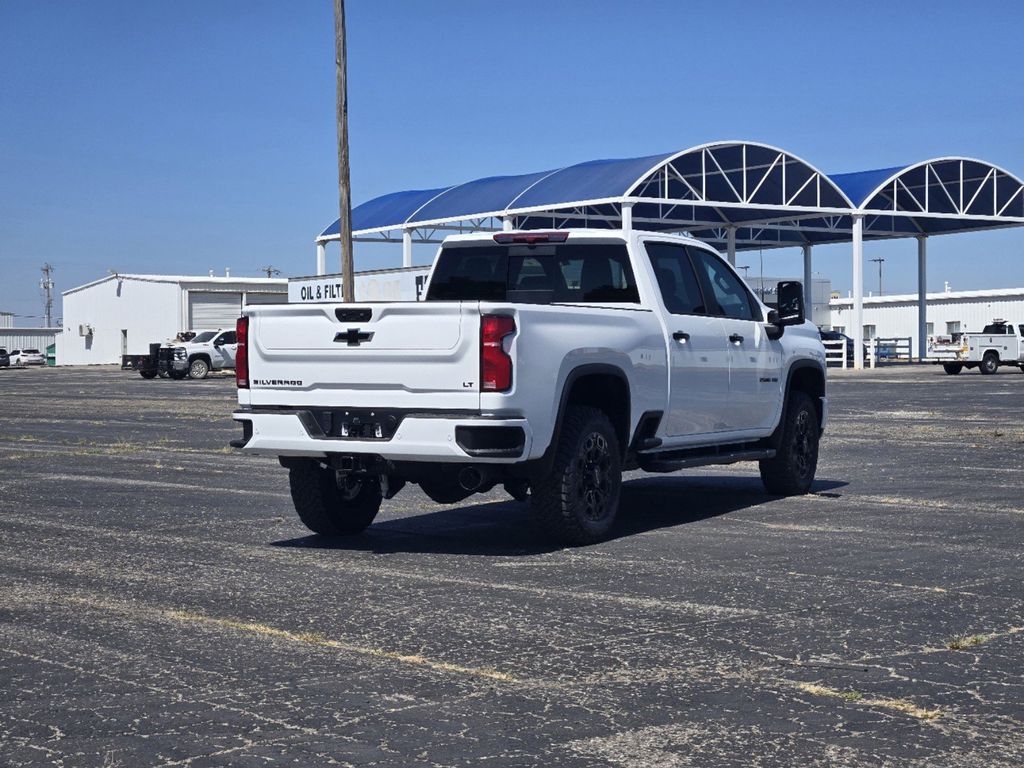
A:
270	270
47	285
344	193
879	260
746	270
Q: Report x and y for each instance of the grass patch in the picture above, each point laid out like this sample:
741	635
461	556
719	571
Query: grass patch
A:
959	642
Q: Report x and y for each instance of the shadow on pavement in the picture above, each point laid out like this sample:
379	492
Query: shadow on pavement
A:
499	528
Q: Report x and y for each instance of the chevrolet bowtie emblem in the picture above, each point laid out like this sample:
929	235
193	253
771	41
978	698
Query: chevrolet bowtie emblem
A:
353	336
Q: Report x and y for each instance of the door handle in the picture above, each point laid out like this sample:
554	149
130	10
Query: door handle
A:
682	336
736	339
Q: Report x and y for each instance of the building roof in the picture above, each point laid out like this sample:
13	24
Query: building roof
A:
911	298
224	283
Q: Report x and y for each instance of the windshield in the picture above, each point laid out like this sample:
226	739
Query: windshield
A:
204	336
546	273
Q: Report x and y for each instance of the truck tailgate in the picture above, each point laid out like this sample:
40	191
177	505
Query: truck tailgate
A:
409	354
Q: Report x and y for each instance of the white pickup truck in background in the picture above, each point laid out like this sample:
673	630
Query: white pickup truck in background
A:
999	343
548	362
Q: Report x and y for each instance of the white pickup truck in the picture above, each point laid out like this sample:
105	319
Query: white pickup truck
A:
210	350
548	362
999	343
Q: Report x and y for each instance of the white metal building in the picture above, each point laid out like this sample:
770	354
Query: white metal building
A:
953	311
122	314
27	338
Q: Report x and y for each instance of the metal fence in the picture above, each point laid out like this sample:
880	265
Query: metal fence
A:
879	351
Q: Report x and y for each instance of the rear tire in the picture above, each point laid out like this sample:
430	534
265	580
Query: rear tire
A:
952	369
325	508
989	363
198	368
792	470
577	503
147	374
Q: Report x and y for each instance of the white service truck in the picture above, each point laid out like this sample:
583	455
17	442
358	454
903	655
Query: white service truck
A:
999	343
548	362
208	350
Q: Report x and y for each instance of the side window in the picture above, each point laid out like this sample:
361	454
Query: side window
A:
229	337
732	298
679	287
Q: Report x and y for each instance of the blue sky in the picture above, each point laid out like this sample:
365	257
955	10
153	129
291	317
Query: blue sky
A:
178	137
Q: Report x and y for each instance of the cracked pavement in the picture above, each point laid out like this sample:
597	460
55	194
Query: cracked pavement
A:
161	604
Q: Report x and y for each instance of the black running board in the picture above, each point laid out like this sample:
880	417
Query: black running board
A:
670	461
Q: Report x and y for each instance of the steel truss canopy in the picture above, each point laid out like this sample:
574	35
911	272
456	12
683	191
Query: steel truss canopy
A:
762	196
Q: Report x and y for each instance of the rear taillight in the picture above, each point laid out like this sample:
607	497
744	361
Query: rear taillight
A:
495	364
242	353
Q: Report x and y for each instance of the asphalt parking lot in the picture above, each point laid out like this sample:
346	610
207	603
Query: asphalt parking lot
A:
162	605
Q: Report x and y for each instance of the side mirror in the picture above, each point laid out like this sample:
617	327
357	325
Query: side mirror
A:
790	295
791	303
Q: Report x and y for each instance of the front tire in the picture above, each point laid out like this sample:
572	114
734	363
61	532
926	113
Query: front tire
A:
325	508
792	470
147	374
989	363
577	503
198	368
952	369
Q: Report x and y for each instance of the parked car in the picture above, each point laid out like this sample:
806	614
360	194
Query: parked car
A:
546	362
837	336
27	357
5	359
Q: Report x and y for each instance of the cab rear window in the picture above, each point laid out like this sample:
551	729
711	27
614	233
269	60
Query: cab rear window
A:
588	273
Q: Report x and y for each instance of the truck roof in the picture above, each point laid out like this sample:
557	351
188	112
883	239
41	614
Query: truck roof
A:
615	235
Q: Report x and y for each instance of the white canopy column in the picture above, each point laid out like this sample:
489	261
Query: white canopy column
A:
627	217
857	332
321	258
730	244
922	297
808	283
406	247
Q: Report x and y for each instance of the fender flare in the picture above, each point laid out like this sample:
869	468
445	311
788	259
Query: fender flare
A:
796	365
541	466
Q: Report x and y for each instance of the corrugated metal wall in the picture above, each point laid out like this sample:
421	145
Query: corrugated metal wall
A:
33	338
899	318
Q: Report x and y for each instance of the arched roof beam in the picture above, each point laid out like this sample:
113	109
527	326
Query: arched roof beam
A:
730	174
962	188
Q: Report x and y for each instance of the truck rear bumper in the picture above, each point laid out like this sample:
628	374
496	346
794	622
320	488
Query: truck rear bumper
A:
418	438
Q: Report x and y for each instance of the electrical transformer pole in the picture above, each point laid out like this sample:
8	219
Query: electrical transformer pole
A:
47	285
344	193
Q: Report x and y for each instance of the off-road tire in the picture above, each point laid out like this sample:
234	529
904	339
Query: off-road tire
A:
178	375
989	363
952	369
791	471
325	508
147	374
198	368
577	502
